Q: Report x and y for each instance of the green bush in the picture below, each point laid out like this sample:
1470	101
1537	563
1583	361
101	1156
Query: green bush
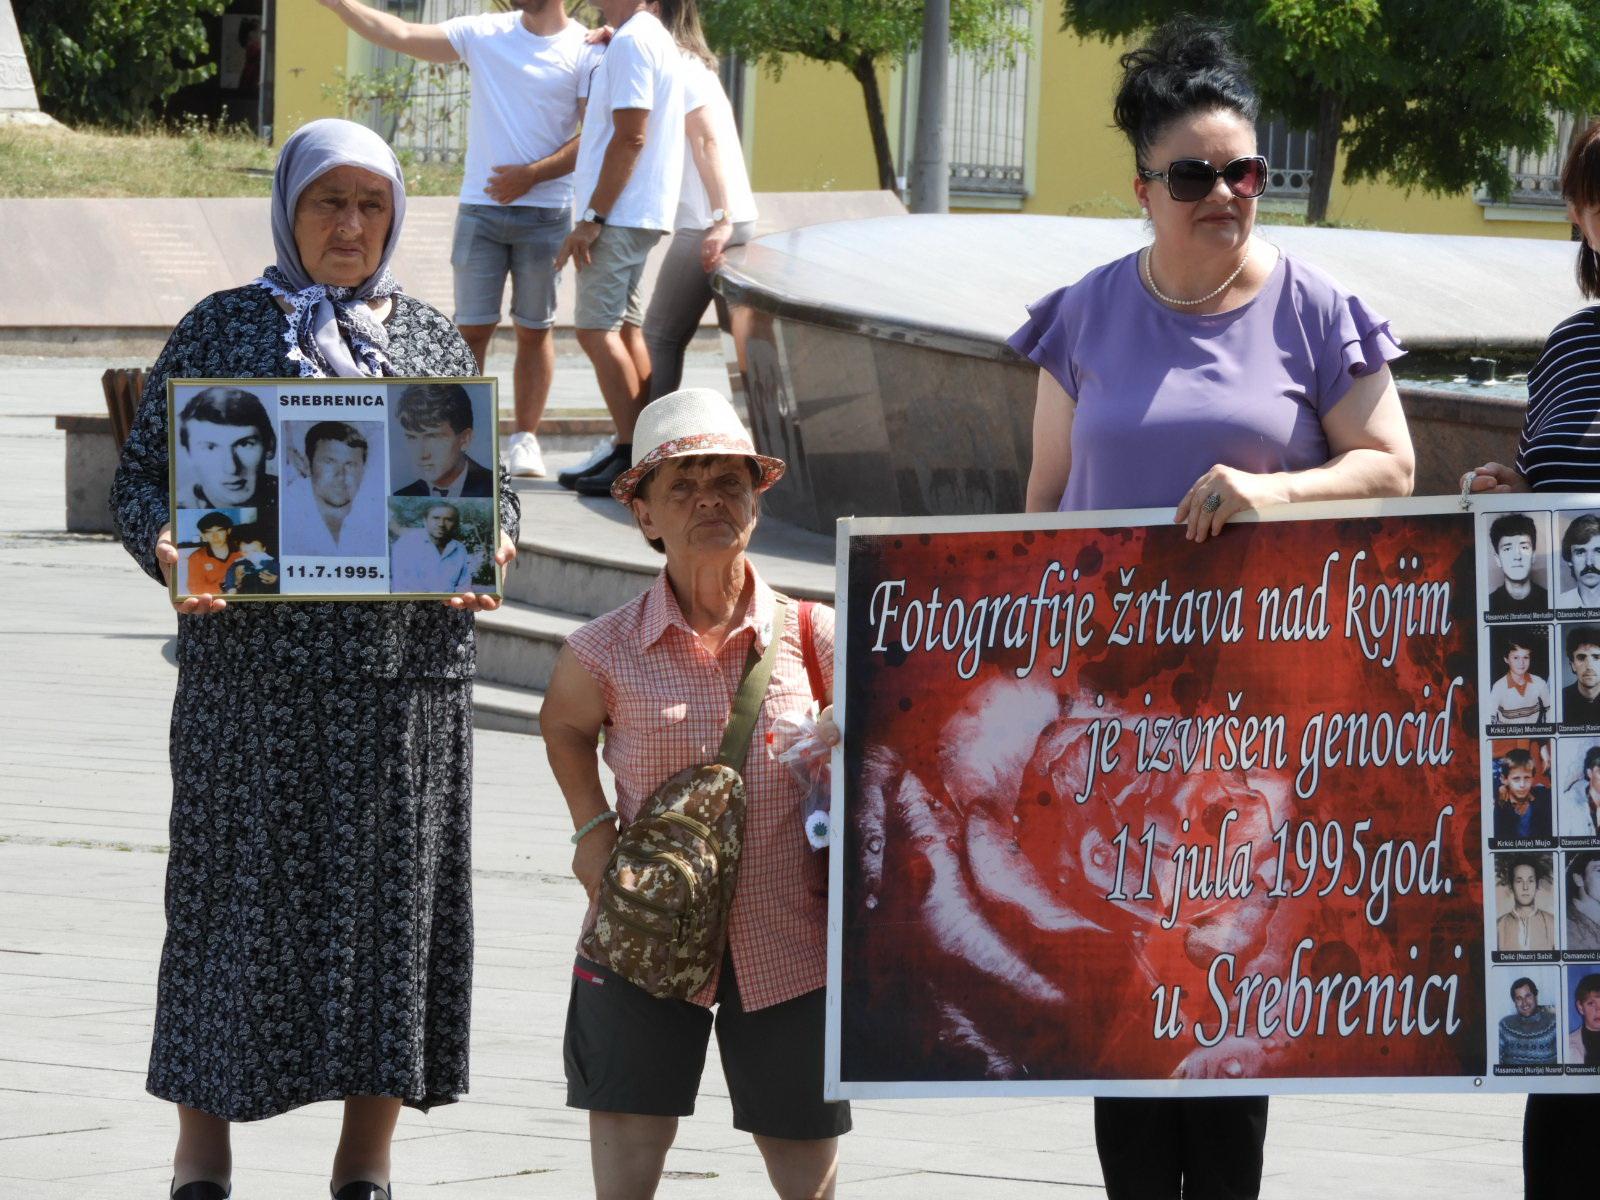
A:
110	62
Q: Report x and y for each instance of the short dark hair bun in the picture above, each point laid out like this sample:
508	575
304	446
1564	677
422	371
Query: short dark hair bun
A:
1187	66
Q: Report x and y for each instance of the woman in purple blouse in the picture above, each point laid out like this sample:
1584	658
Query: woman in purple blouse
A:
1211	373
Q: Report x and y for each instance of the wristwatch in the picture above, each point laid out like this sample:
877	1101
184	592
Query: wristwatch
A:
718	215
593	217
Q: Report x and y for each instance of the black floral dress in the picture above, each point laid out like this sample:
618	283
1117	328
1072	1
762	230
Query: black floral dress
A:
319	907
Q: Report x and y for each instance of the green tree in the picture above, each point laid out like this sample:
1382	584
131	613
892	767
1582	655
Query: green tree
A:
858	35
110	62
1431	93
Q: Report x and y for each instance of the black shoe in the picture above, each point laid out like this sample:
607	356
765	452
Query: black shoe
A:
569	479
598	482
199	1191
362	1190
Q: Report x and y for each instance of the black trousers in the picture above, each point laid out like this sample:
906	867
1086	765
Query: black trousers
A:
1558	1135
1160	1149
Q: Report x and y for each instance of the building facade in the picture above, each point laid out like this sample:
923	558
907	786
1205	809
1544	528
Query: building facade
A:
1031	136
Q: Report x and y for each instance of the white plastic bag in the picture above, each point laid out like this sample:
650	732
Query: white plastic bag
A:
796	742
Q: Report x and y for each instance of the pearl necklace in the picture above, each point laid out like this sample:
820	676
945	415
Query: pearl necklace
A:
1150	282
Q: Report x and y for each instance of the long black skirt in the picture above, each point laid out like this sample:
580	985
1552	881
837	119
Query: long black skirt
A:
318	901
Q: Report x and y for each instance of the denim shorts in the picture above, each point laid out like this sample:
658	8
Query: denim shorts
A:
493	239
608	288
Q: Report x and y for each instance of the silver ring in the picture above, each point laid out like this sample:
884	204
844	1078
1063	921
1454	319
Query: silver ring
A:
1211	503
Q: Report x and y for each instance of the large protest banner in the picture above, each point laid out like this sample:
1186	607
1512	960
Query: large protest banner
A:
1123	814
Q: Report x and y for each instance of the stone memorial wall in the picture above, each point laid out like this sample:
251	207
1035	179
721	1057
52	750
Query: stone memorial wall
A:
139	265
18	99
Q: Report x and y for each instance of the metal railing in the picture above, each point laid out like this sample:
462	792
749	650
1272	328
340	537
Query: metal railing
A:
1536	178
1290	154
429	121
988	118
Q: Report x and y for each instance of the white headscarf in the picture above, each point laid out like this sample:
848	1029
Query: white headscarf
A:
331	329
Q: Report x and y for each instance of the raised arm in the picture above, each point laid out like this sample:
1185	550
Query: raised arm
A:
427	42
574	709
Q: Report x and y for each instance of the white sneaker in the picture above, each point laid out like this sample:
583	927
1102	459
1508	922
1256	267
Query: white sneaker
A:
523	457
598	453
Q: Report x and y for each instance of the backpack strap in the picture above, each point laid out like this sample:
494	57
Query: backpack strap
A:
752	690
808	651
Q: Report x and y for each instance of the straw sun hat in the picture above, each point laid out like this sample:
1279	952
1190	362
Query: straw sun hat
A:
693	421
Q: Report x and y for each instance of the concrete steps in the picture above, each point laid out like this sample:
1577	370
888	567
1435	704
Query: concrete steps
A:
518	644
509	709
580	557
562	433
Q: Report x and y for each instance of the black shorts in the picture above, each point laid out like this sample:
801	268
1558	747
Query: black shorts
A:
628	1052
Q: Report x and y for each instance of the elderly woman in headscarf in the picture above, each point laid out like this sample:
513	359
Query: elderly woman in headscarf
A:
319	920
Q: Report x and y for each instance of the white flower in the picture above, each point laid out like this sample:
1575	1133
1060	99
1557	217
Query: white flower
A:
818	829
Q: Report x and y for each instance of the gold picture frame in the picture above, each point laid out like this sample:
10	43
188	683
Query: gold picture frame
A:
295	489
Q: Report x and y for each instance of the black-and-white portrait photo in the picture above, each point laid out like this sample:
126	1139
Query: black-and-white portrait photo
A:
227	450
1578	563
1515	549
333	489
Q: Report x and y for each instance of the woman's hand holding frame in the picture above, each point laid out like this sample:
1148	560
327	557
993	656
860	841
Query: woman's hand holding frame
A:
167	557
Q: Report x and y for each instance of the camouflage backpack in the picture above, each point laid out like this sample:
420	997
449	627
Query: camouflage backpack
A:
666	893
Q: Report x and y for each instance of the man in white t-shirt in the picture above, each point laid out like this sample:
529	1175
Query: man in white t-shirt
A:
336	509
530	69
625	188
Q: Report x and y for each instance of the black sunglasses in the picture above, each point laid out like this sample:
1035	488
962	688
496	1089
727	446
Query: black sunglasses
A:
1191	179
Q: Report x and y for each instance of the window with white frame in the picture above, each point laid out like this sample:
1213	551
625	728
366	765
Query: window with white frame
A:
1291	155
1536	178
426	117
987	116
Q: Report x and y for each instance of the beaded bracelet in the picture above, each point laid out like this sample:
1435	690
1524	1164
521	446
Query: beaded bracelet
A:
592	824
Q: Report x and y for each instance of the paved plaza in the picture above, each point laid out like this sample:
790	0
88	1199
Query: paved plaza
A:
86	679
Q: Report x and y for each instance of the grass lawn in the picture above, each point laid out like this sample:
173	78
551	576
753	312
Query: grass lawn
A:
56	161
